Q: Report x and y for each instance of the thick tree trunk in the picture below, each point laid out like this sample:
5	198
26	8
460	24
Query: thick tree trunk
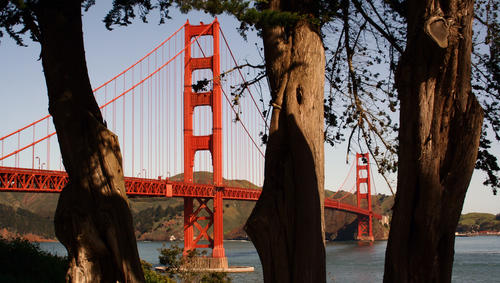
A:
287	225
438	141
93	219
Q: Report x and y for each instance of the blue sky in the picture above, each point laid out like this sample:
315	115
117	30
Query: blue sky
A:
24	99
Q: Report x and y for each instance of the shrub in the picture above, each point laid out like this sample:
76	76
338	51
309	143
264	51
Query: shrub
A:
172	259
152	276
215	277
22	261
175	265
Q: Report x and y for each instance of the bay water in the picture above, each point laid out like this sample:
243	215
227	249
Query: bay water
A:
477	259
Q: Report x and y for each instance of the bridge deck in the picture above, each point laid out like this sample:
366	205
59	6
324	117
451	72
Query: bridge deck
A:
49	181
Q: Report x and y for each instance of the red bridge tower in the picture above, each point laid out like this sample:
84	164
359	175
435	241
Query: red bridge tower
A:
363	183
213	143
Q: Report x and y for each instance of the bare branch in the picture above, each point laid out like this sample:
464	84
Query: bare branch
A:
387	36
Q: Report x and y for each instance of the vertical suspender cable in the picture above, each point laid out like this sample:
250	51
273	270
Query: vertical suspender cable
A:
175	109
156	120
133	125
114	110
18	146
105	100
141	148
150	165
123	125
33	150
163	111
48	145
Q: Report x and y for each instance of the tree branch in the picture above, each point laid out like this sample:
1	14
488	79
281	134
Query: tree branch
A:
387	36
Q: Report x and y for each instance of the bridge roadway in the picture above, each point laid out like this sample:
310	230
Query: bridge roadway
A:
49	181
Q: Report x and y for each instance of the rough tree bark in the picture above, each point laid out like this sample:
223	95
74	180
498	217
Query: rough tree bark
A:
93	219
438	140
287	225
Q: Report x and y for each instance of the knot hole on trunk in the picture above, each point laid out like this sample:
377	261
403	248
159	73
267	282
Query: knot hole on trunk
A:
298	93
438	30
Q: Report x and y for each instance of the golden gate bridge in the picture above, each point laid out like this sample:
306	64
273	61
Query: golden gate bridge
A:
216	130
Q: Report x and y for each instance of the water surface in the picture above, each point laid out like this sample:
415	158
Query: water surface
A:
477	259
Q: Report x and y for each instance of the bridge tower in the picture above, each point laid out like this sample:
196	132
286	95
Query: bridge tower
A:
213	143
363	192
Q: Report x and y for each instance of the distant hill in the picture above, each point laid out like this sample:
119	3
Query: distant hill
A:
475	222
21	221
161	218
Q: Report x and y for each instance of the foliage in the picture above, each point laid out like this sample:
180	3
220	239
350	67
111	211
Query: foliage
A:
249	13
22	261
177	265
488	162
172	259
152	276
214	277
486	84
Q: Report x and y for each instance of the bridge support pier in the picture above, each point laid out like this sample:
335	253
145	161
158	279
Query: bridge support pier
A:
365	232
363	191
203	218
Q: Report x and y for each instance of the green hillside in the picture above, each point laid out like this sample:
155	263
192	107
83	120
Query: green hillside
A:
22	221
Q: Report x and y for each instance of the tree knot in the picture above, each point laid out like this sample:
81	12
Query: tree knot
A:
437	28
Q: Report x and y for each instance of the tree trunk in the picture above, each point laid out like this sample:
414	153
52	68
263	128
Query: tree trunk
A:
287	225
93	219
438	140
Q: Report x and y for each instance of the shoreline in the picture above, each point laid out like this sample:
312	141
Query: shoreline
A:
475	234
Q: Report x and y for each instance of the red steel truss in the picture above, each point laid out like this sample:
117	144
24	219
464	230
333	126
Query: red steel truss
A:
46	181
195	218
32	180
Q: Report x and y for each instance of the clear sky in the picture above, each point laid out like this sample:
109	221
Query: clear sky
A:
24	99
